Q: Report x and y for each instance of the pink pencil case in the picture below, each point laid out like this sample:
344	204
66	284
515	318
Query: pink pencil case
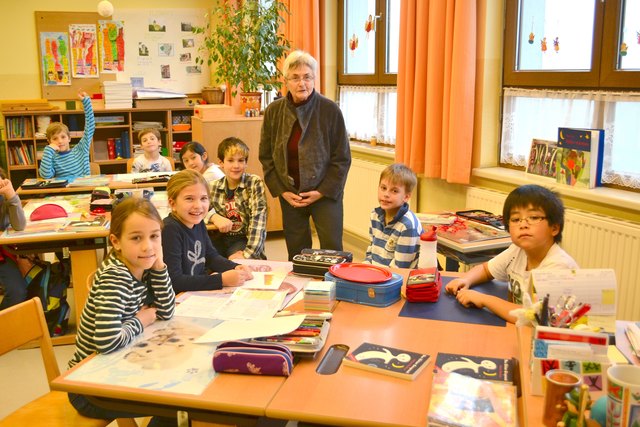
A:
240	357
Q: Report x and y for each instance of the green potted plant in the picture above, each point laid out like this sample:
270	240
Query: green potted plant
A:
243	41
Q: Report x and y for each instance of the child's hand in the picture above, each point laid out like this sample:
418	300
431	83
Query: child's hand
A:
146	315
237	255
6	189
159	263
222	224
54	146
245	271
470	298
456	285
232	278
82	95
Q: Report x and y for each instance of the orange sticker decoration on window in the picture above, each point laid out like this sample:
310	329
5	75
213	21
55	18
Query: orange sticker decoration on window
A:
368	25
543	44
353	43
531	37
623	49
556	44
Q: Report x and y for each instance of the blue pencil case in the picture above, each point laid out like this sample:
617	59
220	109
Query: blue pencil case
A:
381	294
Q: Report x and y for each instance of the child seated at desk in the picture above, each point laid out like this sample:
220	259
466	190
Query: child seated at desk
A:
15	288
150	160
534	217
194	156
239	204
188	251
61	161
130	291
395	230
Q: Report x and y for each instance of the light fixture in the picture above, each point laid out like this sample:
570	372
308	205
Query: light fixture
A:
105	8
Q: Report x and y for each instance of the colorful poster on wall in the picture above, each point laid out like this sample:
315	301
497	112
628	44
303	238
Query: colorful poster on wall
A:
111	41
84	50
55	58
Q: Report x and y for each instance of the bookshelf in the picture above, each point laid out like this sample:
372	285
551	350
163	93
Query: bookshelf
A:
25	137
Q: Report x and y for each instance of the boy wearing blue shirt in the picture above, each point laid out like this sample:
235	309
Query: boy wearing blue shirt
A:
61	161
395	230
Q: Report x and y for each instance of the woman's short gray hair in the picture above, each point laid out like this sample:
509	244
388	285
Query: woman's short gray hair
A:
297	59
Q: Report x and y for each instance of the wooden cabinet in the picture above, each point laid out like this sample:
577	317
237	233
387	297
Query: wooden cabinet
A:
26	140
210	132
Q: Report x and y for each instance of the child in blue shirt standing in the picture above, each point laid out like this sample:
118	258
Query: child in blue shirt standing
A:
61	161
395	230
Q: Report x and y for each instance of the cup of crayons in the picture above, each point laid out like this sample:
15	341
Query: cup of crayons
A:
566	313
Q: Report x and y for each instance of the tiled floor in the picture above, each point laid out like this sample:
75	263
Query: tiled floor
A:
22	376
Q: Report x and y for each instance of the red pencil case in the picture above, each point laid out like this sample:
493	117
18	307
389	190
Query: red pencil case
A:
424	285
241	357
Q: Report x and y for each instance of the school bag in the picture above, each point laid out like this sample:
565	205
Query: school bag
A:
49	282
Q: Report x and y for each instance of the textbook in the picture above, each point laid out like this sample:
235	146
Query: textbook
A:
462	401
99	222
542	158
34	183
387	360
579	157
482	368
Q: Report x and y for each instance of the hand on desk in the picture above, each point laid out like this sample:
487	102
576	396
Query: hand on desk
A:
146	315
456	285
237	276
470	298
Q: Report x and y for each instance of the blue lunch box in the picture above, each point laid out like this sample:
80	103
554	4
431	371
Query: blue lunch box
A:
380	294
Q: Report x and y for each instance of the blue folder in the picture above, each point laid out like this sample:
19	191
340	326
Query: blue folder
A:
449	309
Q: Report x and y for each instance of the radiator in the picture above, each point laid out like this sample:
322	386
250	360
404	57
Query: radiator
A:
594	241
361	196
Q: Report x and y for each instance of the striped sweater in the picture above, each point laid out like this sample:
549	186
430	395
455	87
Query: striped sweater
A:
75	162
108	320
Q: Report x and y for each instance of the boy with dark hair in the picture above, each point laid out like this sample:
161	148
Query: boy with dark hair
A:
534	216
239	203
395	230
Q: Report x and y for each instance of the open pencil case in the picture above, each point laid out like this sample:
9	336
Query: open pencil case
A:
241	357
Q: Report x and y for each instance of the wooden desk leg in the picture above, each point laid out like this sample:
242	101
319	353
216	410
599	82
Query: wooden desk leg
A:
83	263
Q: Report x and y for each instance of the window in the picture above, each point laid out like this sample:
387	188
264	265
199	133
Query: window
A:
588	46
369	33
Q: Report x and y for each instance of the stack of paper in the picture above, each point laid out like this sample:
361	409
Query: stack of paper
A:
157	93
319	296
633	334
117	94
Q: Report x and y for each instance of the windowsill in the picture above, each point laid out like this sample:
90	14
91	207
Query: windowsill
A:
611	197
366	148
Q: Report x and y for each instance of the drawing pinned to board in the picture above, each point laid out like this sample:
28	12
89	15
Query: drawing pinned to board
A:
84	50
185	57
54	47
111	40
188	43
194	69
165	49
186	27
165	71
143	50
156	25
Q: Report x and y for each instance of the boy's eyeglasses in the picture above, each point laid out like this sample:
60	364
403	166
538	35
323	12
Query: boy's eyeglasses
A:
296	79
531	220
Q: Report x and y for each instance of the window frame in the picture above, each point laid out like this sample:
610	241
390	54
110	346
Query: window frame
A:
380	77
603	73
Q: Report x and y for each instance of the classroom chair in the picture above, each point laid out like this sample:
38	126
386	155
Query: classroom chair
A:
94	168
130	163
21	324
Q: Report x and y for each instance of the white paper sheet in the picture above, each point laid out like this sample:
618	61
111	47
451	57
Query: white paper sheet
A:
589	285
243	329
265	280
201	306
250	304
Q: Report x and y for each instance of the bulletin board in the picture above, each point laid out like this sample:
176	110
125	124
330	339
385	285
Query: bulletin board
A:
58	22
159	47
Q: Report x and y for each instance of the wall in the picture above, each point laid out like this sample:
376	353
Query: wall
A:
19	73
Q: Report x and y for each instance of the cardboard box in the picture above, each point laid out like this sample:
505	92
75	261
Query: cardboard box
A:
213	111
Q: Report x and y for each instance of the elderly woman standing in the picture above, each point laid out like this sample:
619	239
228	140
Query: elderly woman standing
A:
304	151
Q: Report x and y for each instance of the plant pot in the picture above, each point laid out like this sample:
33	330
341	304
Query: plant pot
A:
212	95
250	101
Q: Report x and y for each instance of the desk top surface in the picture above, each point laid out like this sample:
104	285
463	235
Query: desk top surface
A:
88	183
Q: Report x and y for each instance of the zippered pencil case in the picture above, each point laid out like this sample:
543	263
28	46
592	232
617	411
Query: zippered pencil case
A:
241	357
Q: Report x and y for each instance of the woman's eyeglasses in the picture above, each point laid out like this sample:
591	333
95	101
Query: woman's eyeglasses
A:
296	79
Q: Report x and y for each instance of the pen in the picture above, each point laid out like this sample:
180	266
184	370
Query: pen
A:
580	311
544	311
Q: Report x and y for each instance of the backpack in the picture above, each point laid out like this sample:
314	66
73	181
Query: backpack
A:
49	282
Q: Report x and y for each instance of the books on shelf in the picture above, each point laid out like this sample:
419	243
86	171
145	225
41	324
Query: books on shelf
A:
109	120
579	157
542	158
159	103
463	401
387	360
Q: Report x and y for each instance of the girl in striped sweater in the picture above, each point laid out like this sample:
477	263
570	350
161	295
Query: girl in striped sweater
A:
59	160
130	291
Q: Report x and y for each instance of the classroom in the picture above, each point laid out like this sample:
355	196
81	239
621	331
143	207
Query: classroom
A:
454	109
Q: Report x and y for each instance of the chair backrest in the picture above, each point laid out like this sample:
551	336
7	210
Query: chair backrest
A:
130	163
94	168
23	323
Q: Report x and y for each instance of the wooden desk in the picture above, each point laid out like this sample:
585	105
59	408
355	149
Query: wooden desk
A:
354	397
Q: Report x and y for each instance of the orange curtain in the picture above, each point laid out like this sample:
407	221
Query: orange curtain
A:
436	86
302	28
